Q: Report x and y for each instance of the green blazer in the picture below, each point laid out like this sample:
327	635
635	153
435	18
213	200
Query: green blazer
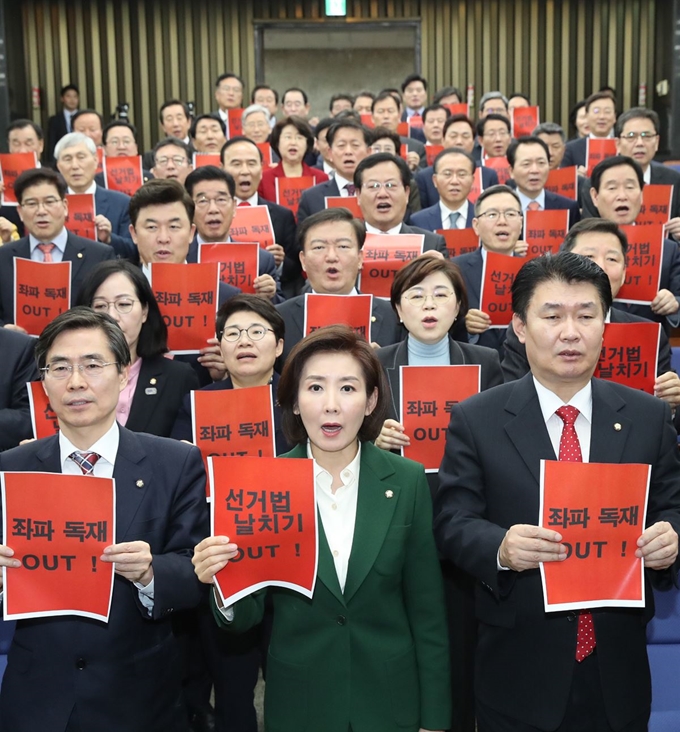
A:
374	658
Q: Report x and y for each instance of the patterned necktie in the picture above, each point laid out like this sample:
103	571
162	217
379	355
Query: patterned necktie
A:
350	188
570	449
453	220
85	461
243	203
47	249
534	206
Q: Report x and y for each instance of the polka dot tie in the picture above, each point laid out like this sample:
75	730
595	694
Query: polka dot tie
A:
47	249
85	461
570	449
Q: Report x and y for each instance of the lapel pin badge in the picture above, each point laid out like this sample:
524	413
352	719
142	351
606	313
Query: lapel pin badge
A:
388	494
150	390
80	255
373	318
617	426
153	380
140	484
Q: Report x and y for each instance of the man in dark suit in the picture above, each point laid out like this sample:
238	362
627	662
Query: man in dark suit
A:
349	142
529	675
119	139
42	206
382	182
243	160
76	158
60	124
452	176
122	674
601	116
605	244
414	90
331	242
529	159
175	120
386	112
18	368
172	158
213	191
458	132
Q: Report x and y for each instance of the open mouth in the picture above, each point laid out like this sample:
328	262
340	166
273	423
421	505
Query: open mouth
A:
384	206
245	356
162	254
429	322
331	429
622	210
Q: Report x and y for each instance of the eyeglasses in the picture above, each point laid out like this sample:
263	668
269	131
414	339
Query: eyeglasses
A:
33	204
220	201
374	186
254	332
91	369
510	215
179	160
123	306
642	135
418	298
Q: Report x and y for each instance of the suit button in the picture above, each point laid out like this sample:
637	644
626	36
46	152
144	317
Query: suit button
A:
572	616
341	620
80	664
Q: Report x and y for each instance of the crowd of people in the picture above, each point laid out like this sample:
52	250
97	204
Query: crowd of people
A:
415	624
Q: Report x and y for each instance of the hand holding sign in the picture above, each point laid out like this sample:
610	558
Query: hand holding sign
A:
392	436
525	547
667	387
477	321
210	556
658	546
7	560
665	303
132	561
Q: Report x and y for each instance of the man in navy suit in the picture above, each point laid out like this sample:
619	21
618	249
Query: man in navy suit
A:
386	112
242	158
213	191
122	674
43	207
76	157
60	124
458	132
601	116
529	675
529	159
453	175
18	365
349	142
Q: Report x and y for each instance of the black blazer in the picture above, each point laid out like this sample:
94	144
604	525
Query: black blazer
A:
161	386
56	129
554	202
285	234
84	255
313	199
575	153
431	218
489	481
18	364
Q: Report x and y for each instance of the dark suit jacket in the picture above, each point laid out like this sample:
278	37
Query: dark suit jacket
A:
385	329
431	218
56	129
429	194
285	230
515	364
313	199
161	386
18	367
554	202
131	674
489	481
374	656
84	255
575	153
115	205
432	241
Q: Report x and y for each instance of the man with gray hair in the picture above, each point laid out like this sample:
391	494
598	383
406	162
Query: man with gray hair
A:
553	136
76	157
255	123
493	102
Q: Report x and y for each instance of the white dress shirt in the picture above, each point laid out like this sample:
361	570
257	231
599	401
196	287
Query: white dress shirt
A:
525	200
342	182
446	212
372	230
57	253
91	189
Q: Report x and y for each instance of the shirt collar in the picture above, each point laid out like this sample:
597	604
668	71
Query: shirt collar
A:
353	292
342	182
595	137
252	200
201	240
446	211
525	200
91	189
328	170
414	112
352	468
647	175
106	446
372	230
59	240
550	402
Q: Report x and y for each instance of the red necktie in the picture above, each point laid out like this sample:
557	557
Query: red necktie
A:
46	249
85	461
570	449
534	206
243	203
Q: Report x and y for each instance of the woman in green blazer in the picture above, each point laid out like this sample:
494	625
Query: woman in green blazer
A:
368	652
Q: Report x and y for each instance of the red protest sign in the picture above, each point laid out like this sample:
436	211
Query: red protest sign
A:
12	165
599	528
202	159
415	122
58	526
563	182
352	310
123	173
597	150
403	151
234	122
461	108
524	120
252	223
501	166
81	213
643	268
289	191
656	204
629	354
348	202
269	510
428	394
544	231
499	273
43	418
267	154
239	262
477	186
431	152
187	297
42	290
367	121
384	255
100	161
459	241
233	422
402	129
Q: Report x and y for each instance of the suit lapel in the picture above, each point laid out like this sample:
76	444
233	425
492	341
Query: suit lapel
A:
49	455
607	441
394	374
143	403
374	516
475	267
73	253
133	481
